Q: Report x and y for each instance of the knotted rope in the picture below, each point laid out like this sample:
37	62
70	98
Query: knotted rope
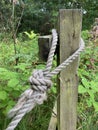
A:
40	82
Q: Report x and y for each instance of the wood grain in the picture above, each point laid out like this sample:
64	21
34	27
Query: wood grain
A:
69	34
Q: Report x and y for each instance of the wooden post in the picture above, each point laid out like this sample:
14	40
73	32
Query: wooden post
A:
44	43
53	120
69	33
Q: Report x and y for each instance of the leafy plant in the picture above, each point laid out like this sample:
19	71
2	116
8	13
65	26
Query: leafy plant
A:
88	87
85	35
14	78
31	35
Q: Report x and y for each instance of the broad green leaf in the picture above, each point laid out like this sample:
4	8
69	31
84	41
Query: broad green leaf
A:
85	82
81	89
91	93
3	95
30	35
89	102
13	83
9	107
7	74
94	86
22	66
53	89
95	104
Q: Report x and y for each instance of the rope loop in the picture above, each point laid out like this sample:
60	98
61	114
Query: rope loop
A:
39	82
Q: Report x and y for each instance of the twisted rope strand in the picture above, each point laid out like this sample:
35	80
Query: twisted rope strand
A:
52	51
20	115
40	82
69	60
28	106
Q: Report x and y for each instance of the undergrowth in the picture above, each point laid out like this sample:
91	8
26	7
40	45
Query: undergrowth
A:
88	86
14	80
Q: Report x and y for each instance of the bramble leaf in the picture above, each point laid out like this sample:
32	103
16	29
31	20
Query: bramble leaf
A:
3	95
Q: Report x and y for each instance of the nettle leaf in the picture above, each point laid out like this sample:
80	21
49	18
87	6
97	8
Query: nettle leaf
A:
91	93
81	89
41	66
9	107
13	58
94	85
6	74
10	75
3	72
22	66
95	104
53	89
13	82
89	102
18	88
85	82
3	95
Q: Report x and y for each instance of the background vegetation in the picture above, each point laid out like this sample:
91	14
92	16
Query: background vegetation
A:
38	15
20	24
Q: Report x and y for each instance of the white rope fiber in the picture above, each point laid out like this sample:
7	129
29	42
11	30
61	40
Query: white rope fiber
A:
40	82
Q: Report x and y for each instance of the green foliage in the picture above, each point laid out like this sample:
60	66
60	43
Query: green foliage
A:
39	13
14	80
85	35
88	88
30	35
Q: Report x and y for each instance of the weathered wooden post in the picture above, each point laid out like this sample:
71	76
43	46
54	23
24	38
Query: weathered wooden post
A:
44	43
69	34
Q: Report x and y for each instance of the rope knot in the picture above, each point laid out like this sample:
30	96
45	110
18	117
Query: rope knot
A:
39	81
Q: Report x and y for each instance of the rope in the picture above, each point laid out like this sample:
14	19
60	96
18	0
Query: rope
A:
40	81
